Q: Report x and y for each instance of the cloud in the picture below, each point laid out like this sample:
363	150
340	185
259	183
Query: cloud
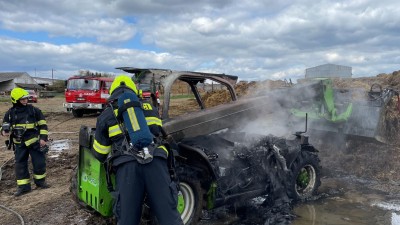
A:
252	39
64	19
22	55
207	26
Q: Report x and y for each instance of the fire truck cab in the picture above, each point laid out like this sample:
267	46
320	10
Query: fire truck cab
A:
86	94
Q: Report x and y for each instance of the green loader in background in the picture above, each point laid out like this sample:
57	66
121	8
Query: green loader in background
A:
348	111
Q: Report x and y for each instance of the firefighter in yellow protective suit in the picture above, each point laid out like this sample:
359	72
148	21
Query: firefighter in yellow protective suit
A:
27	127
134	176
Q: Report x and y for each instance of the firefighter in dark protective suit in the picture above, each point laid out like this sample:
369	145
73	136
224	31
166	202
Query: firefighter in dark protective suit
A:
137	173
27	129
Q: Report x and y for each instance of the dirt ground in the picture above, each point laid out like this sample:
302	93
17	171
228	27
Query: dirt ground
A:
367	160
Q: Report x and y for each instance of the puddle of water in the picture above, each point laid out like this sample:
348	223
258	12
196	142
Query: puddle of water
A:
351	210
339	211
60	145
395	219
343	201
57	146
393	205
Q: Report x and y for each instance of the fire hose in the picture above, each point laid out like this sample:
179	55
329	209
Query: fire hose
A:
14	212
4	207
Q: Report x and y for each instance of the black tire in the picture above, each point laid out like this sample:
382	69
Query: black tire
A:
305	176
192	193
77	113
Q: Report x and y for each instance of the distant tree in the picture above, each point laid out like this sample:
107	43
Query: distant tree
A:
83	72
108	75
96	74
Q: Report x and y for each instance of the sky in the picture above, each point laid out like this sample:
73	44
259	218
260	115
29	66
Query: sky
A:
252	39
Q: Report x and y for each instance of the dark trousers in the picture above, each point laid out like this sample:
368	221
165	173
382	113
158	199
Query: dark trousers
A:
21	162
133	181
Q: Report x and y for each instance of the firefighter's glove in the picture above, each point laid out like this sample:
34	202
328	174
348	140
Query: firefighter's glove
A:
44	149
169	139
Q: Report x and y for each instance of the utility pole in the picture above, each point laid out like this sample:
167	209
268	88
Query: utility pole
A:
52	79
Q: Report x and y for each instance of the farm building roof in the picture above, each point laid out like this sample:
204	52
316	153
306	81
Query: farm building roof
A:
10	75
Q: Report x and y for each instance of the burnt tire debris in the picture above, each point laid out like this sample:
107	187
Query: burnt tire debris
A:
304	174
248	166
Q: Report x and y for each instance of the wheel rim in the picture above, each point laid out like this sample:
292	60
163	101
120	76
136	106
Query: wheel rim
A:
305	181
187	208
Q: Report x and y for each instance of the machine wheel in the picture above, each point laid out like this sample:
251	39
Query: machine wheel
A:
305	176
77	113
190	203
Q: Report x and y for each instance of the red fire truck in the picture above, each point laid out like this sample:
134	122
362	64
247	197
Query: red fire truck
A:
146	92
87	94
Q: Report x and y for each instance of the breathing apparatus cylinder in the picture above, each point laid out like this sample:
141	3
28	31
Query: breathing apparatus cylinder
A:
135	121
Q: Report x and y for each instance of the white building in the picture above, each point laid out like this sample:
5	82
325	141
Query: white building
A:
329	71
10	80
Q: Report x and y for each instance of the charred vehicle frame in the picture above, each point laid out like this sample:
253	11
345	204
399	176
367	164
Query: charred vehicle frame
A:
216	162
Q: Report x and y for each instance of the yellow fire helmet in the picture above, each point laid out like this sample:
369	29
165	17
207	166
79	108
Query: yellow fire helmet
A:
123	80
17	94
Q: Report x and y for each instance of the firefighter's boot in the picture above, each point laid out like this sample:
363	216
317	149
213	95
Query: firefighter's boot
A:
42	184
22	189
